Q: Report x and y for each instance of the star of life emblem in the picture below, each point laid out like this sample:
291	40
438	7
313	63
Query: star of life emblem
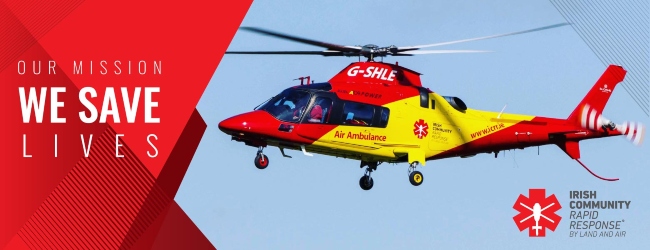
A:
537	212
420	129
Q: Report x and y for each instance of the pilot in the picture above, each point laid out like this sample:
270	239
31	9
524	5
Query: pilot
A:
316	114
299	110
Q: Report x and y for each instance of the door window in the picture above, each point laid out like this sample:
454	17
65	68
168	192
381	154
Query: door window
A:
320	111
358	114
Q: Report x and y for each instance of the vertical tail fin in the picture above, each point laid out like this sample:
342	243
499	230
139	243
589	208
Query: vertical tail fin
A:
588	114
601	91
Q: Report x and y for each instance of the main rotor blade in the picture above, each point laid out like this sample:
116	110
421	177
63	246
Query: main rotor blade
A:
322	53
407	48
326	52
329	46
422	52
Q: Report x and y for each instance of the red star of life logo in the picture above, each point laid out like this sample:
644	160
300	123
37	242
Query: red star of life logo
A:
420	129
537	212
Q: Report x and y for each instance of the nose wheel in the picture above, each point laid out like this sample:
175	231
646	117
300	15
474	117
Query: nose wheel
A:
261	160
415	177
366	181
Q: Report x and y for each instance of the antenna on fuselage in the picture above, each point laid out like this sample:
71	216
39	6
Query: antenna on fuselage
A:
302	78
504	108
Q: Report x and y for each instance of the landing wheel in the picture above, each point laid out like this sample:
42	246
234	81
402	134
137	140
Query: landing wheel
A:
261	161
416	178
366	182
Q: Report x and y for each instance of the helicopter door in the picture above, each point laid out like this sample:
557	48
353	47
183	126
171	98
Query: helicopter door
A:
320	112
315	121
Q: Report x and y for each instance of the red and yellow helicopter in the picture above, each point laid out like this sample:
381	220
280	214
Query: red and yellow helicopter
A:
379	112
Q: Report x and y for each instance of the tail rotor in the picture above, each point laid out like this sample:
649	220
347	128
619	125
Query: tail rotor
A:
592	119
633	131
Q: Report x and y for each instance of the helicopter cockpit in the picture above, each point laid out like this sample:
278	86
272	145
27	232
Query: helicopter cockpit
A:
314	104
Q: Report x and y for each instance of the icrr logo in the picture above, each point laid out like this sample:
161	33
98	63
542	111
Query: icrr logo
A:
537	212
605	89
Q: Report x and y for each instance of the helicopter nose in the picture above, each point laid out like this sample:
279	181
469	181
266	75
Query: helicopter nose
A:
235	124
252	122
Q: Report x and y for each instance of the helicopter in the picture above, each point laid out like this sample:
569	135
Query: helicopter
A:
376	112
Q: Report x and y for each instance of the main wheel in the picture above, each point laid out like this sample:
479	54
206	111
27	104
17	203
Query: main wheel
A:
261	161
416	178
366	182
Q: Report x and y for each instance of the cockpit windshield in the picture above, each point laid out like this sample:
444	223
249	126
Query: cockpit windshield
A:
288	105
